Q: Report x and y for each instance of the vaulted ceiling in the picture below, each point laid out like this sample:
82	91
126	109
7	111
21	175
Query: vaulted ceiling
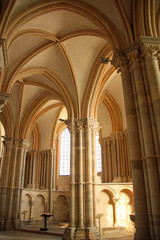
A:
53	69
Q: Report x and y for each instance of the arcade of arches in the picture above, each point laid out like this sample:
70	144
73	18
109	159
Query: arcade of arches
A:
91	66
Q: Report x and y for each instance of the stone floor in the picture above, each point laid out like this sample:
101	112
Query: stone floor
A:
55	232
18	235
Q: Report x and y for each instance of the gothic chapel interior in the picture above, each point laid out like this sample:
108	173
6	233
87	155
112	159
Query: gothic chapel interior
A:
80	114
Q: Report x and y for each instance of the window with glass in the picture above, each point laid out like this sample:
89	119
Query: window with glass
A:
99	158
65	153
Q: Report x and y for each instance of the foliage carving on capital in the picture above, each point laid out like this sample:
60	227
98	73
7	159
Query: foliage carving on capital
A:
151	51
88	125
92	124
16	143
71	125
80	126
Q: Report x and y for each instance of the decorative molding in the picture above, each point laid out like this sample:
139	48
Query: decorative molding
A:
3	54
3	99
151	51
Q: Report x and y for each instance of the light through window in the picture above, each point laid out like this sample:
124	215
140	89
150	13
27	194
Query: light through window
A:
65	153
99	159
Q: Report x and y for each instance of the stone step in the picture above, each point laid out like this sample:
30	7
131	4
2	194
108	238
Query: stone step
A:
114	229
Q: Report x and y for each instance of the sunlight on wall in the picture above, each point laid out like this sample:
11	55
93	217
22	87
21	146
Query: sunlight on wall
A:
109	212
104	206
124	209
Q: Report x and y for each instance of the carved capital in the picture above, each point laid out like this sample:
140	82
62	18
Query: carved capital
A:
80	126
92	124
71	125
151	51
16	143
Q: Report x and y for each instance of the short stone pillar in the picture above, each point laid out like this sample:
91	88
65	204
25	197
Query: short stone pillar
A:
12	176
115	201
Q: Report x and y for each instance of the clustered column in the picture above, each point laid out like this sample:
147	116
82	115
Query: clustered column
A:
116	166
39	172
140	79
12	179
82	202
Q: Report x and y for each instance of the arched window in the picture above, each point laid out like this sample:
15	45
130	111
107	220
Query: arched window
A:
65	153
99	158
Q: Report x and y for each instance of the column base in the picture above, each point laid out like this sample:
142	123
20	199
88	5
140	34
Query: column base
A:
92	233
117	179
69	233
8	225
81	233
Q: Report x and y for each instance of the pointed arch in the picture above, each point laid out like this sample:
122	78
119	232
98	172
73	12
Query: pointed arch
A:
33	10
7	120
29	117
114	111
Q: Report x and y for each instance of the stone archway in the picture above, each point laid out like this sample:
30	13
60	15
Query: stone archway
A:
38	207
105	206
26	208
61	209
125	207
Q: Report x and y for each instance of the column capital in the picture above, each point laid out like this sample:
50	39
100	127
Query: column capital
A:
71	124
150	51
80	126
115	199
92	123
81	123
10	142
32	202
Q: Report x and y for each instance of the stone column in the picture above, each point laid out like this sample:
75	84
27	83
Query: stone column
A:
4	180
70	231
31	211
114	158
94	171
124	160
88	175
115	201
118	177
80	174
82	180
104	161
12	174
51	179
151	51
142	225
149	157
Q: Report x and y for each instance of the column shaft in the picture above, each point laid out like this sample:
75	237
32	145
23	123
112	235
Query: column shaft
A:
142	224
89	195
80	176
